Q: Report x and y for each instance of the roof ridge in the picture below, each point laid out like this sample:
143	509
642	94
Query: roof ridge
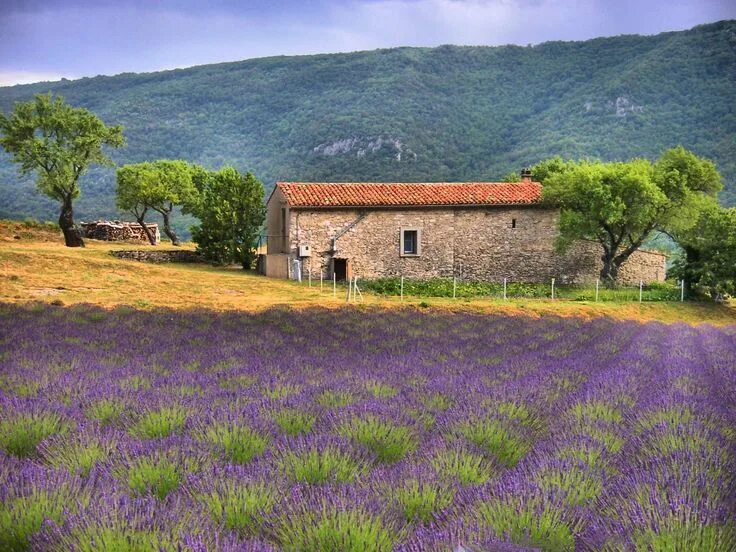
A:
409	194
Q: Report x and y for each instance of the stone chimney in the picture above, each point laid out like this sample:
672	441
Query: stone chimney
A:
526	174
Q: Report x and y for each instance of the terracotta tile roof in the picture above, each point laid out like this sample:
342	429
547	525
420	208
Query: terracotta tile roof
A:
420	194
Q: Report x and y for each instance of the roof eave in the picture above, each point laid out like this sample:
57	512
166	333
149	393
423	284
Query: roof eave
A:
423	206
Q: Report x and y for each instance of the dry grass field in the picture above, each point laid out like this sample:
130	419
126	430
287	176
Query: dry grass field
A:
35	266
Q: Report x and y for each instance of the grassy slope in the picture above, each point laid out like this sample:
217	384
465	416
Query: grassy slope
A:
38	267
465	112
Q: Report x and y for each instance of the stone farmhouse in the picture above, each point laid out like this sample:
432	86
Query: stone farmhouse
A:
483	231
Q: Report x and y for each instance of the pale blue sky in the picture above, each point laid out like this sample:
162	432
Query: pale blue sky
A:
47	40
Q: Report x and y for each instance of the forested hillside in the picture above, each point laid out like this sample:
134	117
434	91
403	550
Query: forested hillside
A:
447	113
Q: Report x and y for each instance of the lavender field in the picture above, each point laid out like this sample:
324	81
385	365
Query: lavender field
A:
352	430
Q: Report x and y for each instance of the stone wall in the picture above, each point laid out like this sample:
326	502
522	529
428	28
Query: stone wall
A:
159	256
487	244
118	231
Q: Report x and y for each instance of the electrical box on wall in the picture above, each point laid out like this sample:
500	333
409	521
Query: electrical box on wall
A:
305	251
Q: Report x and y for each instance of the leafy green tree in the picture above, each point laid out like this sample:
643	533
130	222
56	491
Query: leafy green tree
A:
58	143
132	195
620	204
230	208
708	262
160	185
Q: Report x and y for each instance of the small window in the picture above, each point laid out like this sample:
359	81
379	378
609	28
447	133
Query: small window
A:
513	223
410	242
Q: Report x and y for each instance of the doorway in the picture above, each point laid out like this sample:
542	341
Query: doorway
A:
340	268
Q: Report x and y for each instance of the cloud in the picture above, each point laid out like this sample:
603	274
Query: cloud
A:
82	37
9	78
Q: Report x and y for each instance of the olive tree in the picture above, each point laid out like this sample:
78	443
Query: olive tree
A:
159	185
620	204
58	143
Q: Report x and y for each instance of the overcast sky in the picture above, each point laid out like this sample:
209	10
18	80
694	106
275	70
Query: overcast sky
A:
47	40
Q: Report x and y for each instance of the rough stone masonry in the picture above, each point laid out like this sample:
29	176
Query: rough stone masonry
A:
479	243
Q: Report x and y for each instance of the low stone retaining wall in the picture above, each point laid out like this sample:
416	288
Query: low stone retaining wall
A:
159	256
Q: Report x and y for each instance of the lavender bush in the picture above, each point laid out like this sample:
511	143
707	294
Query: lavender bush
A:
359	429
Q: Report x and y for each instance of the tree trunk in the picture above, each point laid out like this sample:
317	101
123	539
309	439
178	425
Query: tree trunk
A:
167	228
72	235
609	272
149	234
692	259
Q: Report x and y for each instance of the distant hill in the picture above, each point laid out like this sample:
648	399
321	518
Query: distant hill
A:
413	114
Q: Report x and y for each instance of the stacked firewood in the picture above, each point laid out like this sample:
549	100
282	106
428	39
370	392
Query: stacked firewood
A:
118	231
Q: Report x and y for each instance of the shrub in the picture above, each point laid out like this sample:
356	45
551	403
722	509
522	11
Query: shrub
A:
155	476
529	522
78	455
468	468
420	500
596	411
325	528
238	443
94	538
240	506
492	437
579	486
20	435
105	411
381	390
330	398
317	466
160	423
437	401
21	517
294	422
387	441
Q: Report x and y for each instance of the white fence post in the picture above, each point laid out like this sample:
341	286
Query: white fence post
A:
321	278
641	289
454	287
350	288
504	289
597	283
334	284
553	288
682	290
402	288
356	291
309	268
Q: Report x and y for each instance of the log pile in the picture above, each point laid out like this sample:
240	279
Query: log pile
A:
116	230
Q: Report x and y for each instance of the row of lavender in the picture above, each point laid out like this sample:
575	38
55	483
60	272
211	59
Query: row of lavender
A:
363	430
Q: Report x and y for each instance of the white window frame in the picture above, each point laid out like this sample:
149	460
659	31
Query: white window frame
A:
419	242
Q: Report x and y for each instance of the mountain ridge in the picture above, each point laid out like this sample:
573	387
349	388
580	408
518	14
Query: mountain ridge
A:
412	113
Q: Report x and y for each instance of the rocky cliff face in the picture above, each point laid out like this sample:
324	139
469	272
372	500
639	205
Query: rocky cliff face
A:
621	106
361	146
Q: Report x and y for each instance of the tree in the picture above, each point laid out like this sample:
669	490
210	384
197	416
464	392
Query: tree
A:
620	204
160	185
58	142
131	195
709	245
230	208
